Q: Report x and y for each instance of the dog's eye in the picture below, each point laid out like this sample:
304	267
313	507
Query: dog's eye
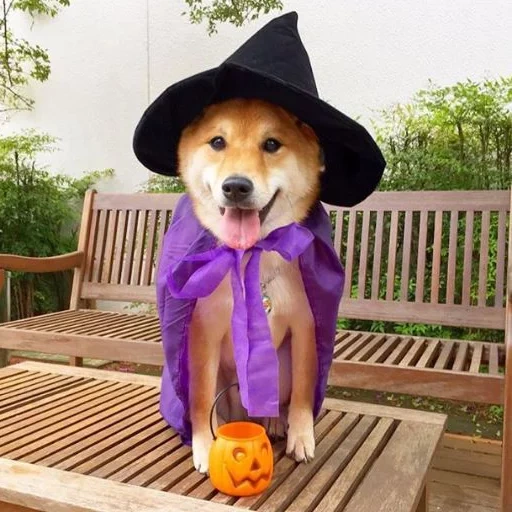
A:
271	145
218	143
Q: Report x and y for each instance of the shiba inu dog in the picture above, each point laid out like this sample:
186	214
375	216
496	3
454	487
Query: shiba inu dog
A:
258	149
251	167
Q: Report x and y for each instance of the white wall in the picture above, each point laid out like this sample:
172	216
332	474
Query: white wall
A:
110	57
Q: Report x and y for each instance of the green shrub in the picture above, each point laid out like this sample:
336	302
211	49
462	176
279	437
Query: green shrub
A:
449	138
445	138
39	214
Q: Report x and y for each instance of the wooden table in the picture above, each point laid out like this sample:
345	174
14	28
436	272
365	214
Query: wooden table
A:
76	439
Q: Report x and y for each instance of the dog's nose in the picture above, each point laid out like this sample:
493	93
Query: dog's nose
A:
237	188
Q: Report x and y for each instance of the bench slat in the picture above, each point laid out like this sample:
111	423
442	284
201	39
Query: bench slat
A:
149	464
460	360
51	388
429	355
476	359
309	493
349	265
501	259
118	397
303	476
493	359
356	346
363	256
484	258
384	350
406	256
71	443
99	252
390	279
436	257
468	258
91	246
106	274
445	355
122	227
377	253
420	265
346	342
342	489
285	465
127	263
414	353
369	348
399	352
140	241
26	416
452	258
409	445
338	232
149	249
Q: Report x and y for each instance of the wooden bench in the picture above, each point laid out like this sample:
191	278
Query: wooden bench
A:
424	258
76	439
118	247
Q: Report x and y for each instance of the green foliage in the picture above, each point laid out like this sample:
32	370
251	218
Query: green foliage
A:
158	183
38	214
236	12
448	138
21	60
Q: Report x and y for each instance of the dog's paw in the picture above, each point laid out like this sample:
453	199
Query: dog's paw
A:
301	440
201	451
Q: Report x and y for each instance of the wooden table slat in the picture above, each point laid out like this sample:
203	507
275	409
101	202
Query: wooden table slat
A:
402	462
341	490
303	473
72	441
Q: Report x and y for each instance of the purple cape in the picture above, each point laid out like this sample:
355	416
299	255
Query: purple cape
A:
191	265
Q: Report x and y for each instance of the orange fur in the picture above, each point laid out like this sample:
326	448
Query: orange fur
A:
245	124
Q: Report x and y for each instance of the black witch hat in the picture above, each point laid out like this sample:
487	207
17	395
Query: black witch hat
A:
272	65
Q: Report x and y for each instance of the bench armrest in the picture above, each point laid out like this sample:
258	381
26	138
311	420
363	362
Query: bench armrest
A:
50	264
32	264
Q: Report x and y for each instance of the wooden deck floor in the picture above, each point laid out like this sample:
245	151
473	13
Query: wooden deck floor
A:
465	476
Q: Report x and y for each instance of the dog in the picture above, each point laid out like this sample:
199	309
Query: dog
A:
251	167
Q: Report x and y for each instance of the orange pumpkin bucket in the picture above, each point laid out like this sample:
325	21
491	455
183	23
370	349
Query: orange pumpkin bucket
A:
241	458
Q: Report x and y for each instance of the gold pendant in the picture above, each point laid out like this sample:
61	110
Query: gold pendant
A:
267	303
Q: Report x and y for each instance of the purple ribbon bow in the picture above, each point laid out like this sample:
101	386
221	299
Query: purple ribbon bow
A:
198	275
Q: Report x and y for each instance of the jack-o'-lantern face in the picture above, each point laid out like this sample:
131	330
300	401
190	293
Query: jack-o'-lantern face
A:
241	459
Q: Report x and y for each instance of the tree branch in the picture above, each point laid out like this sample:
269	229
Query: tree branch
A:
6	43
18	96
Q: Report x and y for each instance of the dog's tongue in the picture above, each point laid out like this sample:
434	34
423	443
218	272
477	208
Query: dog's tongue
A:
240	228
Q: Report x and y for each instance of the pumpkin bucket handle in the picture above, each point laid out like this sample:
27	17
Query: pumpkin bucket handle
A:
217	398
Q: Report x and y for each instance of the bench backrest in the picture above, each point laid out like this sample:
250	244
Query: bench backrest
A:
425	257
121	235
418	257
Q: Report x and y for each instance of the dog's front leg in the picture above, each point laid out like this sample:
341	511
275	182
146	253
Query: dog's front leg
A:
204	356
301	438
